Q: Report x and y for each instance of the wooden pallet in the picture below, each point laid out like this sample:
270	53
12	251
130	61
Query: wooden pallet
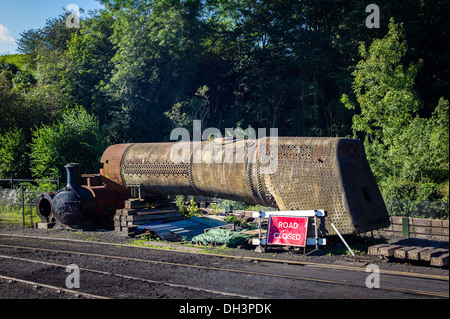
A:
437	256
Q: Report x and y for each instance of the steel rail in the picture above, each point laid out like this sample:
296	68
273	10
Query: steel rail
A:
344	283
50	287
213	291
259	259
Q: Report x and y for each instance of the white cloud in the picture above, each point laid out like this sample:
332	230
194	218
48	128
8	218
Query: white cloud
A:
4	35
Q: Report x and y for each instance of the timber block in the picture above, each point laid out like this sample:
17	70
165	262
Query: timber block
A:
414	254
440	261
373	250
402	253
388	251
45	225
137	203
428	254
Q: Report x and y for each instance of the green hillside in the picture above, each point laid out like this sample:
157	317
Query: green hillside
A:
18	59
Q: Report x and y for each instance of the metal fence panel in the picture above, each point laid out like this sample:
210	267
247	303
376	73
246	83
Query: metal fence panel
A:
18	204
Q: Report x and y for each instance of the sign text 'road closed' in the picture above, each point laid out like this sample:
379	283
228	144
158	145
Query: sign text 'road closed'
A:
285	230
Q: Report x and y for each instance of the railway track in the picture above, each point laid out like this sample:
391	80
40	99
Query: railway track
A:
53	289
91	296
326	277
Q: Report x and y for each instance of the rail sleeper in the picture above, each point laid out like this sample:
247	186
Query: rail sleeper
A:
436	256
440	261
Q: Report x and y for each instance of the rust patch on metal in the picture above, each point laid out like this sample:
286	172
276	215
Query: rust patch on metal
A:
112	161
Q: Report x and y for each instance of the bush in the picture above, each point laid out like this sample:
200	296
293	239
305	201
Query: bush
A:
75	138
188	210
13	154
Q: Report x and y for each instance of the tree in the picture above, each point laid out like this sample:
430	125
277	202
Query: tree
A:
89	65
16	111
75	138
13	154
29	44
55	35
383	88
154	66
408	153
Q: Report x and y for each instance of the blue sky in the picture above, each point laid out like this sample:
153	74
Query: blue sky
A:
17	16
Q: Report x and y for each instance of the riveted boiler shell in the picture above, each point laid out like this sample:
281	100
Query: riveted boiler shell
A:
152	166
331	174
289	173
220	169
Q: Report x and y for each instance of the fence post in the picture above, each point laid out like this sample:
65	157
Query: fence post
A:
23	206
31	216
405	227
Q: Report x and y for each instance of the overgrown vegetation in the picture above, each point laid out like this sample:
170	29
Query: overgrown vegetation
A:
136	69
188	209
408	153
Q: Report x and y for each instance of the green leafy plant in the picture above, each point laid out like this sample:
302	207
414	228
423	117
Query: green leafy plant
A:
192	209
232	220
215	208
180	203
188	210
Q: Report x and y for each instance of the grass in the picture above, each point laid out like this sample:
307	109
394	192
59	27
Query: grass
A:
20	60
358	243
146	241
13	215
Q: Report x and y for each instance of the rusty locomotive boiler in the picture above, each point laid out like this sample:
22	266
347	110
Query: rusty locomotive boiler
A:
288	173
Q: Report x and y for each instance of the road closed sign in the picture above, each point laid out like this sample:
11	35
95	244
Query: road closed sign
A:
284	230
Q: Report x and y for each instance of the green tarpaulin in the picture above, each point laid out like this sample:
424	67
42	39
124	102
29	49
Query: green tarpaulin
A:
227	237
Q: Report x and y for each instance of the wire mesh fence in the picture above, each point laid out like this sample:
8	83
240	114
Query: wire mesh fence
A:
18	200
418	209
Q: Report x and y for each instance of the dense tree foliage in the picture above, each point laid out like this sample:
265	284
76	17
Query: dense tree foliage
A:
14	154
314	68
408	153
75	138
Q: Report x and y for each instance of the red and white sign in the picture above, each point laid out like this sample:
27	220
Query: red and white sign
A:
284	230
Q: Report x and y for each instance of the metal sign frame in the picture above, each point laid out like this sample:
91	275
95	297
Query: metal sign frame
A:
291	213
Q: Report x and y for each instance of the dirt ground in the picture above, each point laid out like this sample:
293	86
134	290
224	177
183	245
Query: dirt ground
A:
335	252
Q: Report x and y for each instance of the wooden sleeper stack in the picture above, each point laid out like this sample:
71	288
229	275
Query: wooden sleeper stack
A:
138	212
